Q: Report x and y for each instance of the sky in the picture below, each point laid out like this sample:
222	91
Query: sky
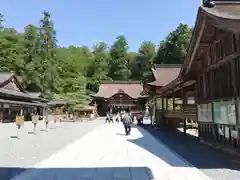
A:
87	22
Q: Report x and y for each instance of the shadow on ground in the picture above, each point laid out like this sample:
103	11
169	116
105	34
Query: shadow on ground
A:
188	147
96	173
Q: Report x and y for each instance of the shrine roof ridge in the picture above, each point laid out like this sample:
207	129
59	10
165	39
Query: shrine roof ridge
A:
226	2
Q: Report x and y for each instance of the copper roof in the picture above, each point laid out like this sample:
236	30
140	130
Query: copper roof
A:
224	15
109	89
57	102
164	74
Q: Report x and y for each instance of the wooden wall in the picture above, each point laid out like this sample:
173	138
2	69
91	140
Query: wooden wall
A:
220	67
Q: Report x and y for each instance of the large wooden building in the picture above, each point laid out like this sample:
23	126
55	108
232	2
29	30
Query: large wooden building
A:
162	75
210	73
115	96
14	99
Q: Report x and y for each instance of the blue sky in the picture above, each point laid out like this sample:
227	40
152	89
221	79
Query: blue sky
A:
86	22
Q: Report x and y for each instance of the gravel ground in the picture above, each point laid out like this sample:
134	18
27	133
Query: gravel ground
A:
214	164
16	155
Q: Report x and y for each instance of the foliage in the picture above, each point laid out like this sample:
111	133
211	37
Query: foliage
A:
174	48
119	62
146	53
72	73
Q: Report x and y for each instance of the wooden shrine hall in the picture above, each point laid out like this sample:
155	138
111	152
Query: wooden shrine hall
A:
15	100
162	74
114	96
209	77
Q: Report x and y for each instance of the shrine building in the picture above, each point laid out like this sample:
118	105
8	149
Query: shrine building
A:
114	96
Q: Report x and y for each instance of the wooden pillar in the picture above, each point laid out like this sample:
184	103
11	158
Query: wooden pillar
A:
196	102
235	91
183	108
213	125
163	108
174	108
166	103
1	113
154	114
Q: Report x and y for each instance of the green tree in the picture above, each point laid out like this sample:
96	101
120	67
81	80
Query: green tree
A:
174	48
119	62
146	54
98	69
2	20
31	59
48	69
72	84
10	50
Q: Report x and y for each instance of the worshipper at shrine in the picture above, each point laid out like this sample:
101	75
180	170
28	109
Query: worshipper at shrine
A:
122	115
118	117
111	117
127	122
107	118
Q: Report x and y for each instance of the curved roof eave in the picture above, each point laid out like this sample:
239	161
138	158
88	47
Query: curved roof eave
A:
192	45
225	15
107	97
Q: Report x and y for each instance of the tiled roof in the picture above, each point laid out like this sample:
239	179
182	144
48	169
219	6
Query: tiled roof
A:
225	15
22	102
164	74
108	89
34	94
56	102
16	93
6	76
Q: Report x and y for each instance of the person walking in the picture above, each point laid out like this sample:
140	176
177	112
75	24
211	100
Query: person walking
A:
111	118
118	117
107	118
127	122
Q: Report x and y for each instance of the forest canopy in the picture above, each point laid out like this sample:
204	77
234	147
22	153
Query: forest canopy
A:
72	73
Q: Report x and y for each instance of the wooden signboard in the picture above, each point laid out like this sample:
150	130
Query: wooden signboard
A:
19	120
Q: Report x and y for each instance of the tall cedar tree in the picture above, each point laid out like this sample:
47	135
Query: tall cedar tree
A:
48	69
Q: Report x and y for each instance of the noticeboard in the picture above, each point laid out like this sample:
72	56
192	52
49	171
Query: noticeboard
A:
19	120
205	112
225	112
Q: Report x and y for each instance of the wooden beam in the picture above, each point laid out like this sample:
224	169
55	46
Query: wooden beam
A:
221	62
235	90
174	104
197	44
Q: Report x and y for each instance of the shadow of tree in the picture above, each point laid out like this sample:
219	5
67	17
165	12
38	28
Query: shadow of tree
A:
96	173
187	147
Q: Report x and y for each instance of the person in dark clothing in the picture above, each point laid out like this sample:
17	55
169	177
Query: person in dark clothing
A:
107	118
127	122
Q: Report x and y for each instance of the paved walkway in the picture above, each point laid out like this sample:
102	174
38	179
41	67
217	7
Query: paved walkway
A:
213	163
16	155
107	154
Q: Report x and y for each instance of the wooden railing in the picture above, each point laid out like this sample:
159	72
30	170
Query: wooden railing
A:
189	111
